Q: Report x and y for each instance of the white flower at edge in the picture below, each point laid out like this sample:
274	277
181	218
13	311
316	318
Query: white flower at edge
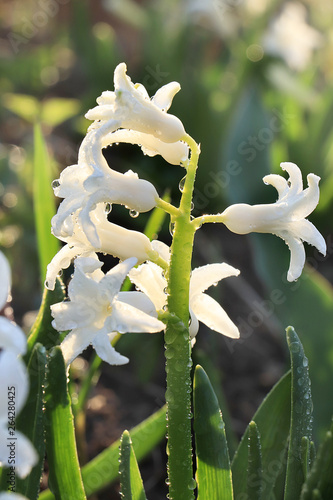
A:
290	37
110	238
97	310
285	218
12	496
149	279
12	374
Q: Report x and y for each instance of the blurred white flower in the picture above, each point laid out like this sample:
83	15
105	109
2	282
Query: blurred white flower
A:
218	15
12	496
149	278
14	385
285	218
291	38
104	237
97	310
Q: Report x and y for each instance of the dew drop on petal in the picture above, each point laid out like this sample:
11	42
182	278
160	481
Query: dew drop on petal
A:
55	184
134	214
108	208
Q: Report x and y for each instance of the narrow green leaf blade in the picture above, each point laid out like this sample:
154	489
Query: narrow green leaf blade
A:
320	479
104	468
213	466
65	477
130	478
44	204
254	470
301	416
30	420
42	330
273	421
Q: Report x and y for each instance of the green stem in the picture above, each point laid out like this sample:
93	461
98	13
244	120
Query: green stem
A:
177	344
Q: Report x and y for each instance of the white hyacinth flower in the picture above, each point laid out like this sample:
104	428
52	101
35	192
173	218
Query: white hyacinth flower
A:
285	218
13	375
131	106
291	38
97	310
12	496
104	237
149	278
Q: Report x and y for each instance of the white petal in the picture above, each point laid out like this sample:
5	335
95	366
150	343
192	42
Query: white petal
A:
25	454
279	182
126	318
113	280
309	199
107	352
164	96
174	153
295	177
297	256
306	231
138	300
206	276
148	278
5	280
61	260
12	496
12	337
162	249
13	373
208	311
194	325
77	341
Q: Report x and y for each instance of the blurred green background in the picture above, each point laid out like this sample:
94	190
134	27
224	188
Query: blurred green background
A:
256	80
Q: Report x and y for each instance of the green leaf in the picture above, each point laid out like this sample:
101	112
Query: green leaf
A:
130	478
104	468
273	422
57	110
254	470
213	466
30	420
305	304
301	416
319	483
42	330
44	204
64	478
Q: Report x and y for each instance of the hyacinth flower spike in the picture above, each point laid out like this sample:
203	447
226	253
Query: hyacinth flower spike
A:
285	218
96	310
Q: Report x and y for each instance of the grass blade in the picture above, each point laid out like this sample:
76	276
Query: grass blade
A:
213	466
44	204
130	478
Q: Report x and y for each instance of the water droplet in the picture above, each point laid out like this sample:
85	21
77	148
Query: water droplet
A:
55	184
172	228
300	381
169	353
108	208
47	284
305	362
192	484
134	214
192	205
165	307
182	183
165	290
